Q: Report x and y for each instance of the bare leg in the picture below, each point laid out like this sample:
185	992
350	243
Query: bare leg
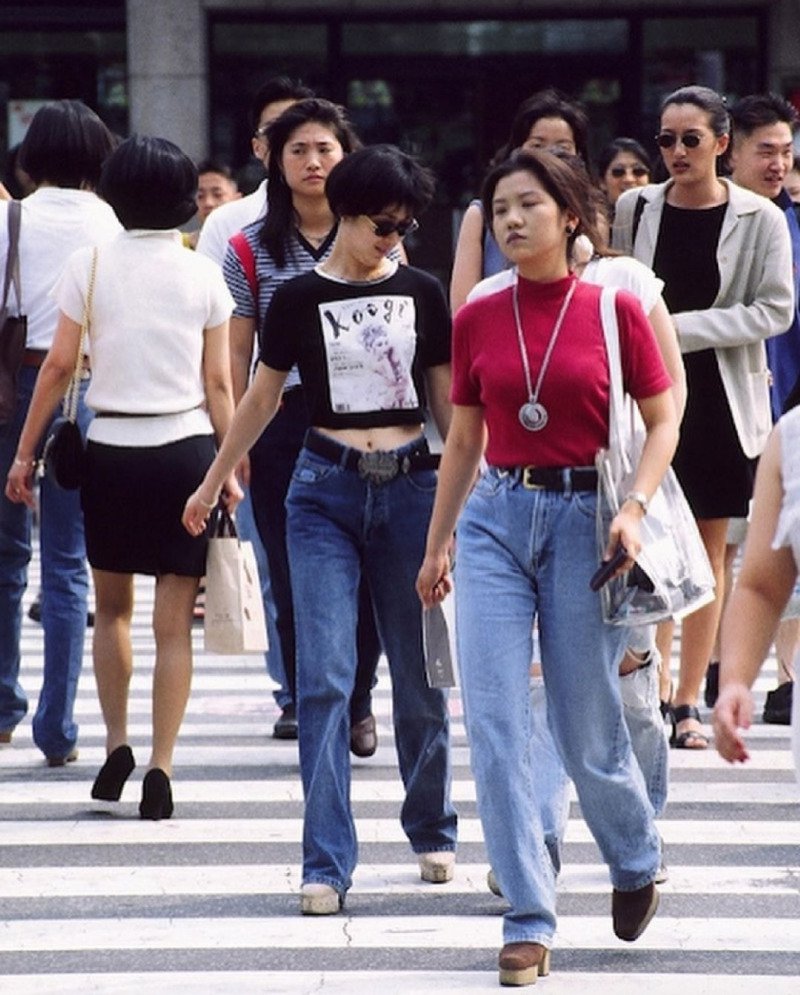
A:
731	549
172	624
111	650
664	634
700	628
786	646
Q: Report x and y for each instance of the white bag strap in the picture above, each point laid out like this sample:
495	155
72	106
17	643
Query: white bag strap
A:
617	436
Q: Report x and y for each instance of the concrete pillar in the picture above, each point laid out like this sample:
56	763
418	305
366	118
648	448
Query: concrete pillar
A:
167	72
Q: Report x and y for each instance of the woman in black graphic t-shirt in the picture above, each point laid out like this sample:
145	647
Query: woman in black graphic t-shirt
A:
371	340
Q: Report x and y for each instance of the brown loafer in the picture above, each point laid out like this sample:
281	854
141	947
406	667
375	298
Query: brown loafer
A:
364	737
522	963
633	910
62	761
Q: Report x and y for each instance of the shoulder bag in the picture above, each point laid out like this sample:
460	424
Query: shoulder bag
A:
64	455
672	576
13	327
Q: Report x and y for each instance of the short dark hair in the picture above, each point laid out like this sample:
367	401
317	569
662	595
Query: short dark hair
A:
150	183
707	100
761	109
563	176
279	221
548	103
271	91
374	178
211	166
66	145
612	150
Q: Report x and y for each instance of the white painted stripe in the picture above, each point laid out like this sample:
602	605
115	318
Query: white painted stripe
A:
124	830
44	789
366	932
450	982
385	879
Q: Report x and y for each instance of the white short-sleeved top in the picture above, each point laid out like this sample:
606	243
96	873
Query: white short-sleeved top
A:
621	272
153	298
55	222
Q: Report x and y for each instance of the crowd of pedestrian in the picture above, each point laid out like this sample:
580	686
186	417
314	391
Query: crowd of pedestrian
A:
285	369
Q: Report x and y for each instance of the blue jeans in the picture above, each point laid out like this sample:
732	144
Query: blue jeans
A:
339	528
246	525
524	554
65	588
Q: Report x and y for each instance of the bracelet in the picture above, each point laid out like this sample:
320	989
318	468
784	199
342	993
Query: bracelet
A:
205	504
639	498
32	462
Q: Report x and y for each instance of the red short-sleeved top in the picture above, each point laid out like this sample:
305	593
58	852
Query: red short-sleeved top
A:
488	369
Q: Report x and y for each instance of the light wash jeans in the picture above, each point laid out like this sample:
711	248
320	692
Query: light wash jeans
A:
524	554
339	526
65	585
273	658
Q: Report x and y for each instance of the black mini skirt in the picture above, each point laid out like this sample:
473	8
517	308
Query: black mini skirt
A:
132	501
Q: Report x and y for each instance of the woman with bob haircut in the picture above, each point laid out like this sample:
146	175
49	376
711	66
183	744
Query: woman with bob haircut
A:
527	548
622	165
368	336
63	151
724	254
160	391
298	232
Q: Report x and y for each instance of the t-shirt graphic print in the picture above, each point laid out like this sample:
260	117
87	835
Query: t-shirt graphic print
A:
370	344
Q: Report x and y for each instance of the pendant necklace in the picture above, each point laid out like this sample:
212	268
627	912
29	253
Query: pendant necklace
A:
533	414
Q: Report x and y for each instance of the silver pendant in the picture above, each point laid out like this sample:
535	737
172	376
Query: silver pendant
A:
533	416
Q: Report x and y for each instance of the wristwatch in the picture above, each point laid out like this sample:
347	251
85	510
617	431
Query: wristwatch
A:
640	499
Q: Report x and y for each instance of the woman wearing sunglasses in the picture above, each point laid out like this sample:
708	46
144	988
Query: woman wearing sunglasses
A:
725	258
621	165
371	340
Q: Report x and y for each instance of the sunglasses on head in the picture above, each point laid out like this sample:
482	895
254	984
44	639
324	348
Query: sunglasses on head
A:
666	140
384	227
620	171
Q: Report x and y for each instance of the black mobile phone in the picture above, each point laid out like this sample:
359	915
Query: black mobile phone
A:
608	568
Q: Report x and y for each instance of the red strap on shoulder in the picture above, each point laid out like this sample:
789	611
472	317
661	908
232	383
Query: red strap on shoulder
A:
244	253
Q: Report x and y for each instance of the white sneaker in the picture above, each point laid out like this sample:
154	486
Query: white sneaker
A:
320	900
437	867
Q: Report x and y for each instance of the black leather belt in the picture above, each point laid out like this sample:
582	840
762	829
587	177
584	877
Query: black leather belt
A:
377	467
552	478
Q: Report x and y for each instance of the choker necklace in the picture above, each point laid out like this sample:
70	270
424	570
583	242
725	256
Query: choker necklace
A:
533	414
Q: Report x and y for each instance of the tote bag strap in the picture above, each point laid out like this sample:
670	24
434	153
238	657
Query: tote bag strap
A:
12	259
70	406
618	437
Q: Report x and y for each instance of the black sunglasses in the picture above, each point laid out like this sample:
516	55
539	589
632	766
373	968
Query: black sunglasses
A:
667	139
386	226
620	171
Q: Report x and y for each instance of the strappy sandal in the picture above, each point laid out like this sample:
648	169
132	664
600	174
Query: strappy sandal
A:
678	714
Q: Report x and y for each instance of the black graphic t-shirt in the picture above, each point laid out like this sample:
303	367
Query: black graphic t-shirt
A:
361	348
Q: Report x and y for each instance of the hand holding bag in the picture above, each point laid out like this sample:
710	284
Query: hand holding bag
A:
672	576
234	609
64	455
13	328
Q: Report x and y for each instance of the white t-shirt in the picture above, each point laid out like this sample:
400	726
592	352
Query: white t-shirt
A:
55	222
621	272
153	298
225	220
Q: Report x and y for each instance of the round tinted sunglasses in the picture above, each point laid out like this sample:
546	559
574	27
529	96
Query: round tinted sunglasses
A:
620	171
666	139
385	226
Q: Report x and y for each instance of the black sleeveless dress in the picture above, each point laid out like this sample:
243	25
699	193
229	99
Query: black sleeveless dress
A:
713	470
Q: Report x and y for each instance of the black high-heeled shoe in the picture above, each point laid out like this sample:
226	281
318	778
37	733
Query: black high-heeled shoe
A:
113	774
156	800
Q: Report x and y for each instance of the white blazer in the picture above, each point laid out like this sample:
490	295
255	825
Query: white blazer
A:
755	299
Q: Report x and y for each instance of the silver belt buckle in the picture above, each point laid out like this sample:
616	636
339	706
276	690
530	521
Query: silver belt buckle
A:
379	467
527	479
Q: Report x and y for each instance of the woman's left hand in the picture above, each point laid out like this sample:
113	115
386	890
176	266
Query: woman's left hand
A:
732	713
196	513
232	493
624	531
19	483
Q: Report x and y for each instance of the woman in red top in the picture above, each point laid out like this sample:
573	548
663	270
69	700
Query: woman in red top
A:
529	366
